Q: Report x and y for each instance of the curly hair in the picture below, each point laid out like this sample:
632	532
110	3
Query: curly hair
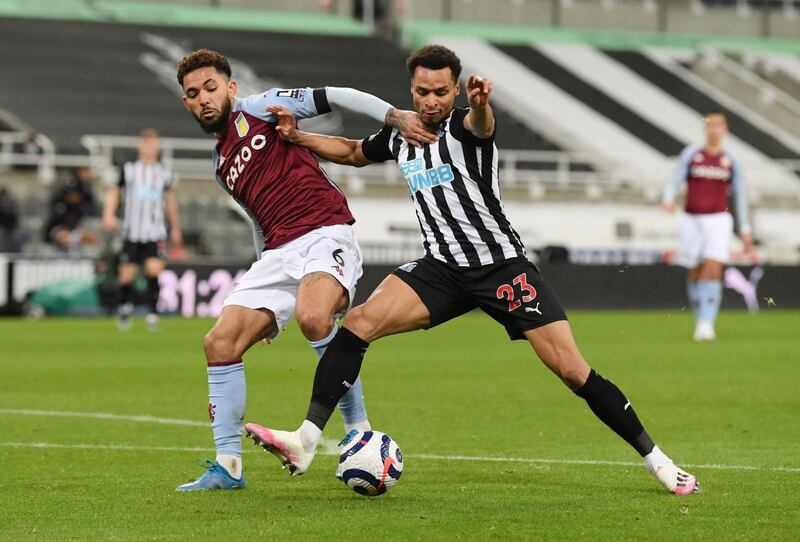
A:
434	57
203	58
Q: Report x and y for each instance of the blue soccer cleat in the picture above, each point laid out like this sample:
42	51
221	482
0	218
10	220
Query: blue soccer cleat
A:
215	477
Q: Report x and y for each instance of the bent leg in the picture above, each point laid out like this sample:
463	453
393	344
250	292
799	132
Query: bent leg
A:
555	346
236	330
319	297
394	307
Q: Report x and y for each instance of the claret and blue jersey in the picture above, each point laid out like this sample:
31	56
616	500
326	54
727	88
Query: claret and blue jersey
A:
711	179
280	185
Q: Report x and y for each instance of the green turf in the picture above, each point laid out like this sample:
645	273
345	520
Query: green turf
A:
462	390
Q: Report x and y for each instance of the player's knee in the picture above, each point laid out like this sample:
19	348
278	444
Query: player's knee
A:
573	371
218	347
314	323
359	323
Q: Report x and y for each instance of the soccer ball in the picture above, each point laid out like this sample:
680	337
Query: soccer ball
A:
371	463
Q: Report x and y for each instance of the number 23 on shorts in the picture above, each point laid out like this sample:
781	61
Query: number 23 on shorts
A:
506	291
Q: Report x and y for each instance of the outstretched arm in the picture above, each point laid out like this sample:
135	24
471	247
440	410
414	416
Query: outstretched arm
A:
407	122
335	149
480	119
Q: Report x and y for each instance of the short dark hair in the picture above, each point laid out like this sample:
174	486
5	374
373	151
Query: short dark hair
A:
434	57
203	58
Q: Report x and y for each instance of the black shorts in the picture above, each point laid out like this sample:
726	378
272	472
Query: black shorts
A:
512	292
135	252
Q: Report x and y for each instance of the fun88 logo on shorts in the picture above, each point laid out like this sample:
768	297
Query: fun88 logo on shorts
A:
419	178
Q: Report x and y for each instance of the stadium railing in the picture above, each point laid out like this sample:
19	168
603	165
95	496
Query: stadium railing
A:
189	158
44	159
756	93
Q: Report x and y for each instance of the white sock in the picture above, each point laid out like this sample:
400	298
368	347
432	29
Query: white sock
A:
231	463
358	426
309	436
656	457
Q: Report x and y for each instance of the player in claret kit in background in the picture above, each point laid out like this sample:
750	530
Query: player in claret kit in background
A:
309	260
712	175
473	259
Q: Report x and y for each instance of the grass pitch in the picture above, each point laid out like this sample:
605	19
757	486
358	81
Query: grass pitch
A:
97	428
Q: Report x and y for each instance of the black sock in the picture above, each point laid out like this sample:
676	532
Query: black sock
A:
336	372
153	290
125	293
612	407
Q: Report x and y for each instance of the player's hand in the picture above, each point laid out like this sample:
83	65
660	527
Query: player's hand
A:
410	126
176	238
287	123
747	241
478	91
668	207
110	223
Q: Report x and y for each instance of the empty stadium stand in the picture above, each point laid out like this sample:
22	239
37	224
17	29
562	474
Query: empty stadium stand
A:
646	67
75	78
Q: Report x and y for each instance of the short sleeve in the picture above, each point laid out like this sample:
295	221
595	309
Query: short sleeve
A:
302	102
377	147
459	132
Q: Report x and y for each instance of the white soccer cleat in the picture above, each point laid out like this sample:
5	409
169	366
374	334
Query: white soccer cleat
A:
704	331
284	445
673	478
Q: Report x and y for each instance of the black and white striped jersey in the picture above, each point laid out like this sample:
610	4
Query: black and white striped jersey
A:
455	188
143	187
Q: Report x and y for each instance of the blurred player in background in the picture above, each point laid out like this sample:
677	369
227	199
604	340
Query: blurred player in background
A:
712	175
309	260
473	259
148	203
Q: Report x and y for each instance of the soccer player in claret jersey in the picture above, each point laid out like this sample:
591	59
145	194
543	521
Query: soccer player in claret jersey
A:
310	261
711	173
473	259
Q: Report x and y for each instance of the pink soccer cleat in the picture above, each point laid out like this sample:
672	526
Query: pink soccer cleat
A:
284	445
674	479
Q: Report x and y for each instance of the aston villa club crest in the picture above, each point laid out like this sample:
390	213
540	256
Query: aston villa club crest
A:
242	126
725	162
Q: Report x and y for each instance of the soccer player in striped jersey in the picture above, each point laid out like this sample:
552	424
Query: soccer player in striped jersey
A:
473	259
148	203
712	174
308	259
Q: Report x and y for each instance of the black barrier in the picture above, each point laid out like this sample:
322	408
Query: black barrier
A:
645	286
198	289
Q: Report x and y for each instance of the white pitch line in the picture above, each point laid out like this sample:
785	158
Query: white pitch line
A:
101	416
327	445
431	457
122	447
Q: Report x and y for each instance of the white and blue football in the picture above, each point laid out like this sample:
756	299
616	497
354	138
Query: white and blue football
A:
371	463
